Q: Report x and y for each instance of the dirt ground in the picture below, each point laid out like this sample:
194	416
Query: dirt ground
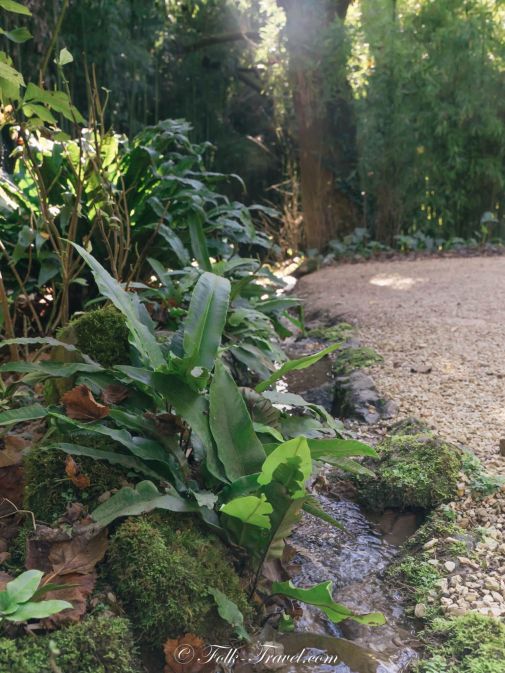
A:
444	318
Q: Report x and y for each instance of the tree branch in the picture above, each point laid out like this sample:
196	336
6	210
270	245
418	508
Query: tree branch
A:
220	38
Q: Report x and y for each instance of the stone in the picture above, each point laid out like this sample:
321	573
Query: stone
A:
420	610
450	566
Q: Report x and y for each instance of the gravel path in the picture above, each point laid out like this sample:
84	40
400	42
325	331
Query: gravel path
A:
440	326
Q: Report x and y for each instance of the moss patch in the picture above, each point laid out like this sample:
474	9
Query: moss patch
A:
416	577
350	359
103	335
469	644
340	332
48	490
414	471
100	644
162	575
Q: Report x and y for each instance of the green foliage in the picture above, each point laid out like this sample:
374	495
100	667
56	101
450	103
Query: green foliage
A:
413	471
481	483
98	644
321	596
470	644
415	576
163	571
19	600
431	138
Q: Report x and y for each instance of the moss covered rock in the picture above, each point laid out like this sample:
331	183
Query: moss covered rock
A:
100	644
48	489
162	575
414	471
103	335
470	644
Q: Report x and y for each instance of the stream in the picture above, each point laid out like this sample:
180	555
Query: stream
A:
355	560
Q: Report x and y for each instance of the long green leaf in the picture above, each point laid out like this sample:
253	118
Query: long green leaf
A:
198	243
28	413
238	446
339	448
111	457
15	7
48	341
229	611
320	596
292	365
39	610
140	335
295	456
144	498
206	318
48	368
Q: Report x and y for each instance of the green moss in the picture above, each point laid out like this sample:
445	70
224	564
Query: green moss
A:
437	525
481	483
470	644
100	644
48	490
416	577
415	471
352	358
340	332
162	575
103	335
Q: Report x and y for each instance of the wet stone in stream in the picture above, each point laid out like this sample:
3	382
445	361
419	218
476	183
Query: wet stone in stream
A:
354	559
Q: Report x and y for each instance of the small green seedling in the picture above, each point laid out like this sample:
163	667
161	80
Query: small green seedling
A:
19	600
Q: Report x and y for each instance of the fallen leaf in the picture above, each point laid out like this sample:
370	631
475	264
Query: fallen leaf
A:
188	654
72	471
5	578
79	589
11	484
82	406
12	453
67	556
115	393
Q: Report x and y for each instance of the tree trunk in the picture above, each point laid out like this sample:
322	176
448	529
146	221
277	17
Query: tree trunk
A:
326	132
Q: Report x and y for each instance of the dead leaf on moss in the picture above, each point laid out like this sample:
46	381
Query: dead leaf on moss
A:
68	556
73	471
82	406
188	654
115	393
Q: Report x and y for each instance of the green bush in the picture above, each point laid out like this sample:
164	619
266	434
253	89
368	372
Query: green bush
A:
162	575
416	471
99	644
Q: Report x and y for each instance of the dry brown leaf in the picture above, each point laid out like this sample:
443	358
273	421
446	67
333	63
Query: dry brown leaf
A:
12	452
11	484
82	406
188	654
79	589
67	557
72	471
5	578
115	393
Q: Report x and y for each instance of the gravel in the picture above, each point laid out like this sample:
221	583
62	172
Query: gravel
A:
439	325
